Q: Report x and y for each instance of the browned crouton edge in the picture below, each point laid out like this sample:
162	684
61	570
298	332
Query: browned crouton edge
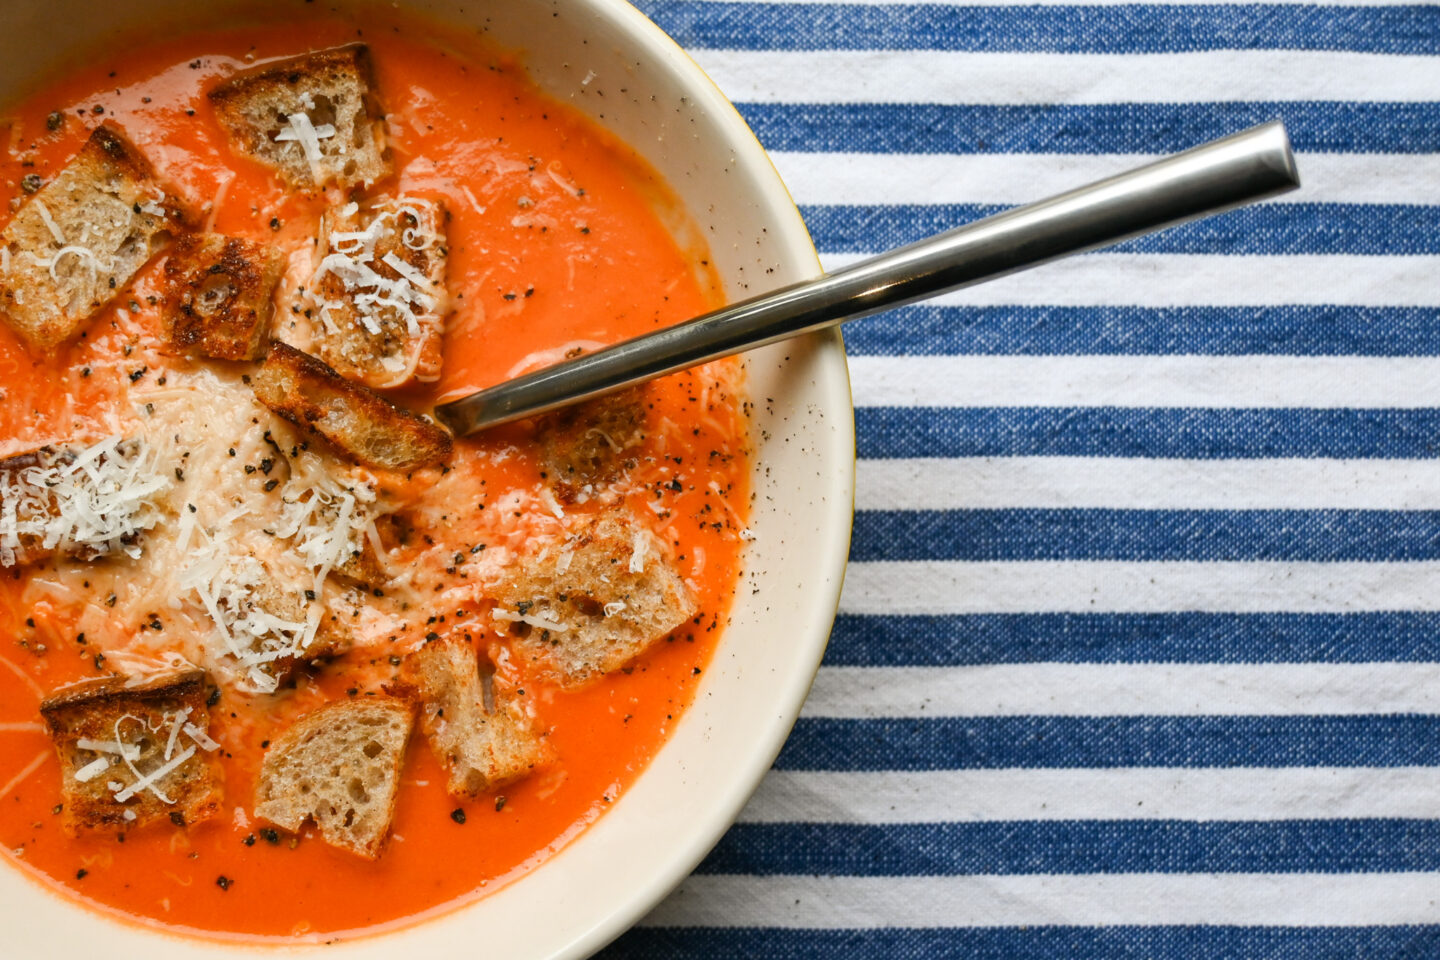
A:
236	325
359	423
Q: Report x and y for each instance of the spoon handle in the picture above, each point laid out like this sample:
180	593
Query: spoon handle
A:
1207	179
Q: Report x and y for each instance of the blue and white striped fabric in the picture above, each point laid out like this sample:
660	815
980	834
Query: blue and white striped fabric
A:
1139	652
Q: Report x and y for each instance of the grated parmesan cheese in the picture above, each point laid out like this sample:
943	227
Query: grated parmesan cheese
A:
324	525
176	722
91	502
363	280
534	620
92	769
639	544
147	781
126	750
49	221
299	129
202	739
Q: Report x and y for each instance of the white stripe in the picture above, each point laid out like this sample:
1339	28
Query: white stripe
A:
1125	689
1147	381
1106	586
1142	793
1102	3
997	483
950	77
877	179
808	902
1172	280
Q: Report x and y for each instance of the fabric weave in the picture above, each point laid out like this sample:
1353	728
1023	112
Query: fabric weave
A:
1139	651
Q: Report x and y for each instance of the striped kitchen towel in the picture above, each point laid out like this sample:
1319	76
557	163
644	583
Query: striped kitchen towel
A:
1139	651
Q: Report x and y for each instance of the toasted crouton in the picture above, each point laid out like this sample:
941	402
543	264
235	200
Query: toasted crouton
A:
313	119
592	443
81	503
218	298
378	294
266	624
482	742
363	426
340	522
593	603
73	246
134	751
340	767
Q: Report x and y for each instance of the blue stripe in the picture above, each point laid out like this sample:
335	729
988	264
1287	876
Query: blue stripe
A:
1096	534
964	639
1077	846
1048	331
891	432
969	743
1275	229
1031	943
1315	126
1137	28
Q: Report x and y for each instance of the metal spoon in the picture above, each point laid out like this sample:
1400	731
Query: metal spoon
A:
1208	179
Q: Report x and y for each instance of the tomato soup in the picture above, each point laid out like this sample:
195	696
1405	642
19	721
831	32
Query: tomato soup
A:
557	240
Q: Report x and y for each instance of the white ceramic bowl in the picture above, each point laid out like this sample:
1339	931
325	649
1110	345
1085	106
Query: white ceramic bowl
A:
655	98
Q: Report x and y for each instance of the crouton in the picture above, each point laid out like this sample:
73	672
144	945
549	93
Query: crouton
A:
340	767
73	246
81	503
363	566
358	423
378	294
481	741
134	751
593	603
592	443
312	119
331	530
218	295
265	621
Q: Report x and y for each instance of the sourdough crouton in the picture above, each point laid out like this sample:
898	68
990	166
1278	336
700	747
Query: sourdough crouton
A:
358	423
363	567
134	751
340	767
593	603
329	529
483	742
73	246
378	295
81	503
313	119
266	625
592	443
218	298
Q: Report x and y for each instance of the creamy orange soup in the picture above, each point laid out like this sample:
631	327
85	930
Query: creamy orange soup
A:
557	238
